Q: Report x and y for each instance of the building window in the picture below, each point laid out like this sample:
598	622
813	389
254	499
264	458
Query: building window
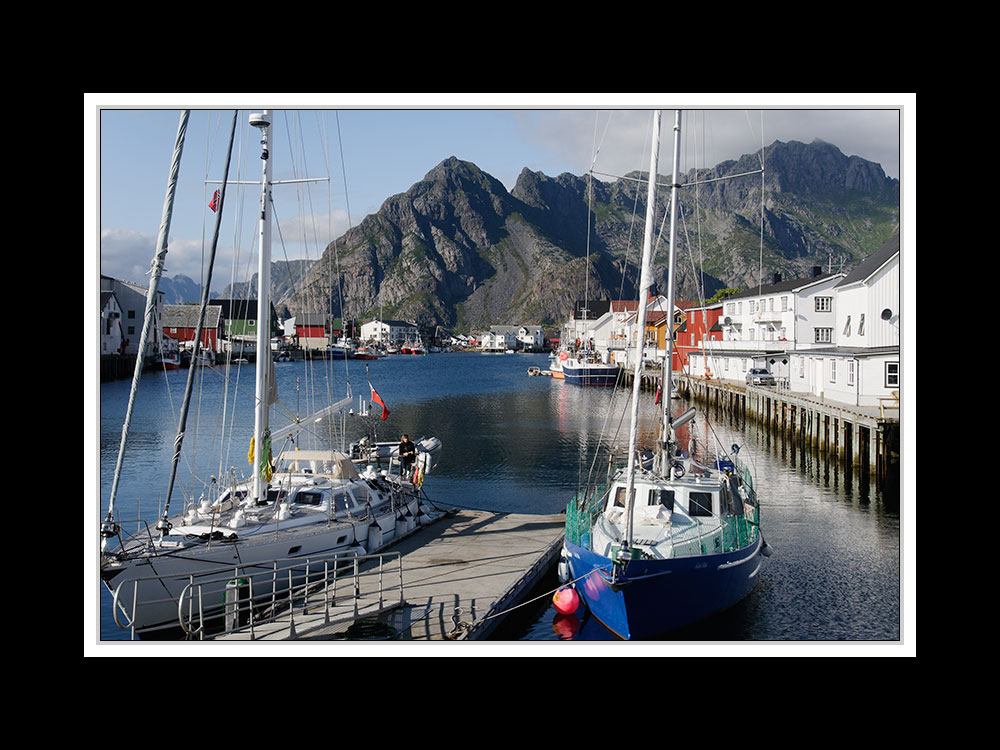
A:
847	326
802	367
824	304
892	374
784	304
850	371
833	371
861	325
823	335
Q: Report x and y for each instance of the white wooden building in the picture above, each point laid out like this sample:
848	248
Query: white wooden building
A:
846	347
792	314
111	328
862	367
531	338
132	303
388	331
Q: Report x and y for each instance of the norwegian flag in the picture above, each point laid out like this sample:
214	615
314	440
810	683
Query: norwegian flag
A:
378	400
214	205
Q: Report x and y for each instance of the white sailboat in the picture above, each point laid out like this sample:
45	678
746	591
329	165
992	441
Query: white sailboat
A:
301	504
660	547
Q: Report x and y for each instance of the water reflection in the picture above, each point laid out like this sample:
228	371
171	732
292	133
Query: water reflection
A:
514	443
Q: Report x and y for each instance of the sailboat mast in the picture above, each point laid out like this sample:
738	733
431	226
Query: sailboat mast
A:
645	281
260	421
668	365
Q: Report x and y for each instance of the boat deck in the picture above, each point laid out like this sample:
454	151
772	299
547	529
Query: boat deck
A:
461	576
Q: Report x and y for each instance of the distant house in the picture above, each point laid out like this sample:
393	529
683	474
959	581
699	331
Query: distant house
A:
112	335
131	299
701	325
499	339
308	330
180	323
388	331
238	325
531	338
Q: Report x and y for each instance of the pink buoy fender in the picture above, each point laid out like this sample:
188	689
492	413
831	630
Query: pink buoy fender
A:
566	601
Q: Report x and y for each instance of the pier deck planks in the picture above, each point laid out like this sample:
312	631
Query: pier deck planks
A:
475	564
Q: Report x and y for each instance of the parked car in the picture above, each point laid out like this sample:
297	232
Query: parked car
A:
760	376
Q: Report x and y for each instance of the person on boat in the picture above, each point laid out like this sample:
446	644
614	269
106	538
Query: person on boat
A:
407	453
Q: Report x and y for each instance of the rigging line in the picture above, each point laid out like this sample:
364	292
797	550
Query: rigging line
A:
156	269
178	441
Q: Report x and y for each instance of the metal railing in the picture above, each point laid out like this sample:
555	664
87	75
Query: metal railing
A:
244	598
288	591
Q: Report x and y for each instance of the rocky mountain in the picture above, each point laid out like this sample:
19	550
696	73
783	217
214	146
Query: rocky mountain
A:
457	249
179	289
286	276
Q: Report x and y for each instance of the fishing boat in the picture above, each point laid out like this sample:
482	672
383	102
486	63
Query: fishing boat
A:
171	360
366	352
668	541
586	368
412	347
305	502
341	349
556	364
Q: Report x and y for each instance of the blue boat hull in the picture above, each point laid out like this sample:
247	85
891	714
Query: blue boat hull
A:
655	596
590	375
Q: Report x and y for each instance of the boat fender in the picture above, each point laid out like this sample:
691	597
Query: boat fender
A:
566	600
374	539
283	512
563	570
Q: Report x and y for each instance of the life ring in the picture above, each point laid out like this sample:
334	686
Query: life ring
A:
563	356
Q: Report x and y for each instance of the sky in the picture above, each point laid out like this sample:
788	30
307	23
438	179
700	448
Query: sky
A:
378	145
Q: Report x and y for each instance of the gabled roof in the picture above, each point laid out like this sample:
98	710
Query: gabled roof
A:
783	286
394	323
873	262
186	316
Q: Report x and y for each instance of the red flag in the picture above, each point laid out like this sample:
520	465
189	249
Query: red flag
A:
378	400
656	399
214	205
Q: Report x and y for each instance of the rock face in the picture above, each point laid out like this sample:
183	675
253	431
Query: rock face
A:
457	249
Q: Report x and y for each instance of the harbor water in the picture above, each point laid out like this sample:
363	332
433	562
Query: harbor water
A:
521	444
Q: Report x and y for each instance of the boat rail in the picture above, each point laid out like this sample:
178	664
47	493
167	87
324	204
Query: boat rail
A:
234	598
732	532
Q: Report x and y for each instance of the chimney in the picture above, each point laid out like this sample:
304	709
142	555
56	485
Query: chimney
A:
817	271
777	277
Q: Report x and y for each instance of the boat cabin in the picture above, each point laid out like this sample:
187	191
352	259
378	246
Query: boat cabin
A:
693	496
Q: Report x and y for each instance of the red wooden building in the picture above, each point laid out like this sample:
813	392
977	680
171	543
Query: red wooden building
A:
180	323
702	324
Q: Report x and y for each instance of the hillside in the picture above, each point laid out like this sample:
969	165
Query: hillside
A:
459	250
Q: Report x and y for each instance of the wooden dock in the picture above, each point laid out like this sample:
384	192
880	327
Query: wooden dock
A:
862	435
461	576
